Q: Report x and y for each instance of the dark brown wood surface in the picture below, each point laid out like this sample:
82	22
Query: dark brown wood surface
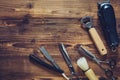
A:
26	25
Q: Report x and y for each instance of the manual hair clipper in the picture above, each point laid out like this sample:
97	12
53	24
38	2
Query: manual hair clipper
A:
108	22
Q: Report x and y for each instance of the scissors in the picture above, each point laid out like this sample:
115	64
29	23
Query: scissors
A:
87	53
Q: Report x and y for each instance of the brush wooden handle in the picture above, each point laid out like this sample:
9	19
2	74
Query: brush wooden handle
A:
98	42
91	75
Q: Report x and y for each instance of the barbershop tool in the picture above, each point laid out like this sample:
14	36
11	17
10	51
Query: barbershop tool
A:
82	63
68	61
108	23
87	22
53	67
108	72
48	57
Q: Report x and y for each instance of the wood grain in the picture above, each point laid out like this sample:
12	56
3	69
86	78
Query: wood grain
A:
26	25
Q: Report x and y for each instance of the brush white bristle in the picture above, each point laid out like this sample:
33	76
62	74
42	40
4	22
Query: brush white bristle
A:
82	63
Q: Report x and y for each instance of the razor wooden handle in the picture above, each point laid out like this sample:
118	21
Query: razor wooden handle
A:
91	75
98	42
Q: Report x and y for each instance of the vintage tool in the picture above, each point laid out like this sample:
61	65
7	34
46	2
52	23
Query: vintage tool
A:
68	61
82	63
48	57
53	67
108	72
108	23
110	62
87	22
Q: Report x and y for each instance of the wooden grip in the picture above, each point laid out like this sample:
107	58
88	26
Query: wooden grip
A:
91	75
98	42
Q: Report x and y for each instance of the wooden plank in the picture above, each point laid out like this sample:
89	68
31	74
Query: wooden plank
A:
63	9
51	22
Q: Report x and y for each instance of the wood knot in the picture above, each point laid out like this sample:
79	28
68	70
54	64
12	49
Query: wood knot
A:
30	5
26	18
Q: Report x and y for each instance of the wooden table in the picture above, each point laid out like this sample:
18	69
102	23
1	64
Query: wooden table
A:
26	25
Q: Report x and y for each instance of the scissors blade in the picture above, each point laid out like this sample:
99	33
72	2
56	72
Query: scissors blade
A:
88	53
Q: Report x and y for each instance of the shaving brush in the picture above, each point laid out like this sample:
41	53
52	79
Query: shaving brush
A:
82	63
